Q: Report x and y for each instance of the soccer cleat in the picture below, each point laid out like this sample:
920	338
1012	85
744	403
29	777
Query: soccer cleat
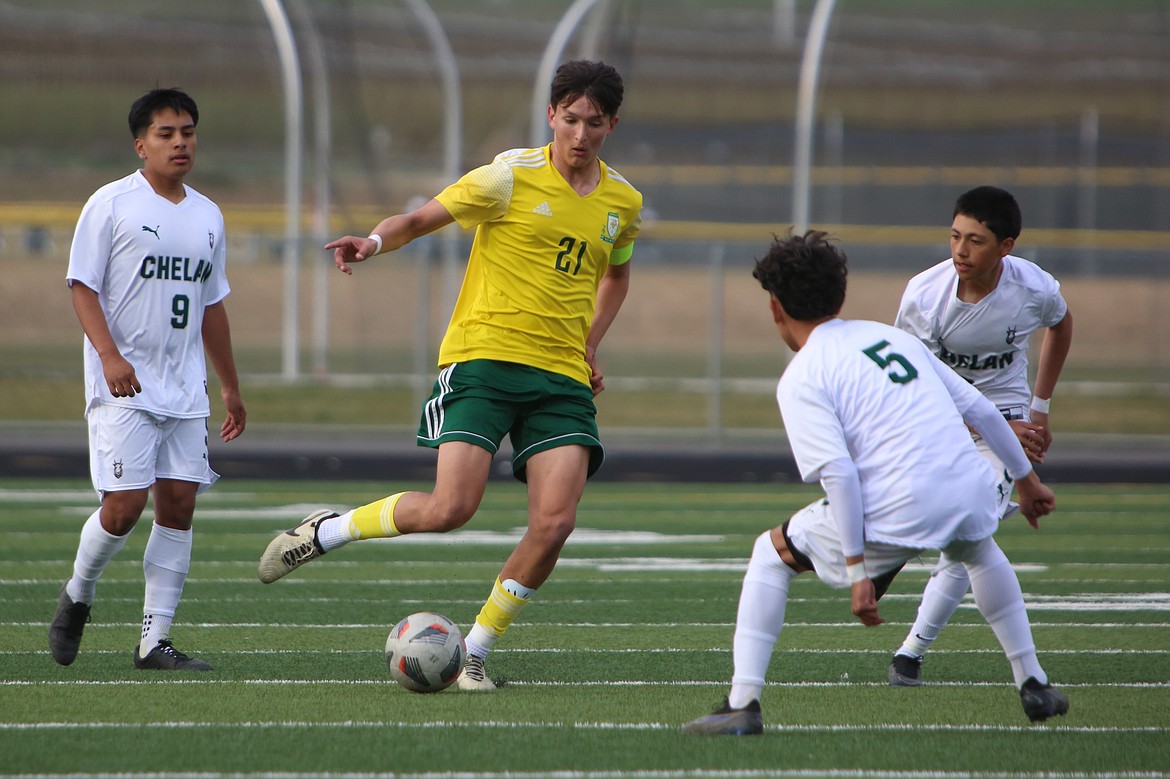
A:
66	628
472	678
164	657
905	671
1042	701
293	548
726	721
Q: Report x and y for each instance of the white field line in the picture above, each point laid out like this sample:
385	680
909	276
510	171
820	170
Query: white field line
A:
639	651
170	681
851	625
1087	601
689	773
543	725
670	564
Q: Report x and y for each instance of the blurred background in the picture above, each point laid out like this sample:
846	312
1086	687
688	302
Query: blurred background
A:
1066	104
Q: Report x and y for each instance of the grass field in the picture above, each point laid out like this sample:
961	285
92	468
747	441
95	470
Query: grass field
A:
629	640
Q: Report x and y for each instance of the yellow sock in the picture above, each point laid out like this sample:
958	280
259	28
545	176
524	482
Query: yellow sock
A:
375	520
499	610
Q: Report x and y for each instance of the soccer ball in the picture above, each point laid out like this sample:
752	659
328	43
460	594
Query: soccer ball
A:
425	652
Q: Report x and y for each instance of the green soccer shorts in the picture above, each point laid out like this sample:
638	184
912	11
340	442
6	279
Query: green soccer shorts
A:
481	401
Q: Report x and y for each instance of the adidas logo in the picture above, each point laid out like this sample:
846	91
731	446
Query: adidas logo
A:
543	209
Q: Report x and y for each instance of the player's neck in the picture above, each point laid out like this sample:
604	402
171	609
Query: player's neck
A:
799	331
166	187
976	288
583	179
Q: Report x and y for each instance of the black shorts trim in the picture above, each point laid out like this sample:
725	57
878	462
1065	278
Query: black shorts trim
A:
798	557
883	582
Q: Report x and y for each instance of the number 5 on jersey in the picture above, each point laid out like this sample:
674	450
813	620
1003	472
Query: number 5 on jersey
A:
909	372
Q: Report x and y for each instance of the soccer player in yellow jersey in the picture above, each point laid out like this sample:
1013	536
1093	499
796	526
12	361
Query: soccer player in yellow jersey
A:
548	271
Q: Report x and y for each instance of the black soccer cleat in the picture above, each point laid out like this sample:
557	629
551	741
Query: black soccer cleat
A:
66	628
164	657
1041	701
905	671
726	721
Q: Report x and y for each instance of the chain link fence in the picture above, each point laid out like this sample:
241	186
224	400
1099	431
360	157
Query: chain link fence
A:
1066	104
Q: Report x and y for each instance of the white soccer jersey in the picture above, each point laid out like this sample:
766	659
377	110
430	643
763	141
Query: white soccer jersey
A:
986	342
873	394
156	265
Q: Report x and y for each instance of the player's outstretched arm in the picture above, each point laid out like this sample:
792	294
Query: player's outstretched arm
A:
393	232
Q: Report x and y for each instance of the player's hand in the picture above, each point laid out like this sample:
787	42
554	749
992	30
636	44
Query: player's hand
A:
120	377
865	603
237	416
1036	499
1034	437
350	249
596	379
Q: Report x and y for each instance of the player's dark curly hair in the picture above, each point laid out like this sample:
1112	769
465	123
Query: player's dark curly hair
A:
144	108
994	207
598	82
806	273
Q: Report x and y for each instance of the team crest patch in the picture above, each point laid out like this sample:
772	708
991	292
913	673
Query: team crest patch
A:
612	223
117	469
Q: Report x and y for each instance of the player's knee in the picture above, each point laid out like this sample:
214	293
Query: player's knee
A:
119	517
553	530
451	515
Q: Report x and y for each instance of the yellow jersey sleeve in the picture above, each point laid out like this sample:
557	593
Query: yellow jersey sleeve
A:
480	195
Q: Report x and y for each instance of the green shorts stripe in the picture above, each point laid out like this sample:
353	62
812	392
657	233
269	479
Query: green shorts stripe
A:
481	401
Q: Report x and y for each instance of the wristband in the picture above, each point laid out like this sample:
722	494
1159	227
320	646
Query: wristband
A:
378	240
1040	405
856	572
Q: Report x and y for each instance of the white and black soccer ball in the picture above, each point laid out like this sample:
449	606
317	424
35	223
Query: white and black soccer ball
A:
425	652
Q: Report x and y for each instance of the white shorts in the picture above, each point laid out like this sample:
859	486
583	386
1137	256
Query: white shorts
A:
129	449
813	532
1004	483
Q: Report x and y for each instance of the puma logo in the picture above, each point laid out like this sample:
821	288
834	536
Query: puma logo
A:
154	230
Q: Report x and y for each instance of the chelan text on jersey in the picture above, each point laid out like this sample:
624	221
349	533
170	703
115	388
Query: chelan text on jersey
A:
175	269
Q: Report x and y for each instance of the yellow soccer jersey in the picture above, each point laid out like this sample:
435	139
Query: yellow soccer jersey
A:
540	251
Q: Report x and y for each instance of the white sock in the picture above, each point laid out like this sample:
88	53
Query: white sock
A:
1001	602
94	552
155	627
479	641
762	602
944	592
334	532
165	564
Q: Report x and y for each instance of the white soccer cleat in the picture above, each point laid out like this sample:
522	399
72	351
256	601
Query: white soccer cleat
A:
472	678
293	548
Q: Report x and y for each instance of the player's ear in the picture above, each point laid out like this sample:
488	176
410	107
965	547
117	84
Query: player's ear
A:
1006	246
777	309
